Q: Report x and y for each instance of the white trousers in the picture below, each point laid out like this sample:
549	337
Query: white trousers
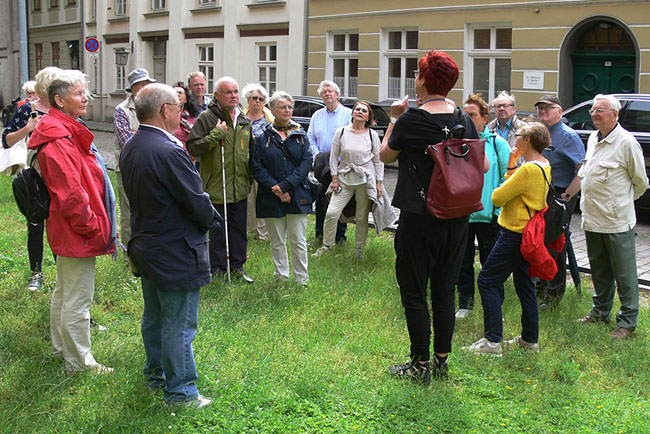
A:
295	226
335	208
70	312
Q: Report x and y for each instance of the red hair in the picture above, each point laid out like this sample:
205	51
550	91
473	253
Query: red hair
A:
439	72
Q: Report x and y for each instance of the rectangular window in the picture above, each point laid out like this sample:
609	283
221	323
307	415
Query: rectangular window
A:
120	72
401	61
93	9
120	7
56	55
38	57
36	5
204	3
70	2
157	5
344	57
489	60
206	66
267	60
54	4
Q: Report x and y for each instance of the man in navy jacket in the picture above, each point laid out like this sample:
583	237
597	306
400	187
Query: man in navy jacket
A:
170	215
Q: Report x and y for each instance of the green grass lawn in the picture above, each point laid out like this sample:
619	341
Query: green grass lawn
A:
279	358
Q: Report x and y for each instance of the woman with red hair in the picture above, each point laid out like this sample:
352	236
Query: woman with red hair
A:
427	248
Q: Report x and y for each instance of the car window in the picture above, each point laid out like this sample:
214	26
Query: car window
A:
313	108
580	119
637	117
301	109
380	116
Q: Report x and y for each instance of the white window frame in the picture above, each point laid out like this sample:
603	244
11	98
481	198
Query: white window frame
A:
407	78
491	53
119	8
36	5
206	65
158	5
348	85
120	73
267	65
207	3
93	9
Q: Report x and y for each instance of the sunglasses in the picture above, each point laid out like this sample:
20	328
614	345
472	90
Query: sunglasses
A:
257	98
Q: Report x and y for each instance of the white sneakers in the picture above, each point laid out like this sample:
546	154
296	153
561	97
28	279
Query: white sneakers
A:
483	346
530	346
321	250
462	313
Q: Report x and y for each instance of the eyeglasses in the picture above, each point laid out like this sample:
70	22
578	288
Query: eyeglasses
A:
179	105
285	107
500	106
257	98
520	135
599	111
546	108
361	109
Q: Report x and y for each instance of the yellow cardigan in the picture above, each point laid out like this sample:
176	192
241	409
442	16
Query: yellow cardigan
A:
525	187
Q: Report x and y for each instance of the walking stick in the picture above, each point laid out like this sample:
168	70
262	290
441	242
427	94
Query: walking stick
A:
225	210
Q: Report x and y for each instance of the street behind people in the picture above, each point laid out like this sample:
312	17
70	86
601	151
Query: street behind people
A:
565	155
428	249
81	224
20	128
225	128
357	172
613	176
171	215
483	225
281	163
523	194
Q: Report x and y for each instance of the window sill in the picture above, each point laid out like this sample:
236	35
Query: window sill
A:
118	93
206	9
267	4
121	18
156	14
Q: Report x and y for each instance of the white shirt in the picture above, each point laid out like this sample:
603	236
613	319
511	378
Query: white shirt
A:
613	176
171	136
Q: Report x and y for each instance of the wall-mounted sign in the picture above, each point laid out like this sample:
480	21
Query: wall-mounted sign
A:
534	80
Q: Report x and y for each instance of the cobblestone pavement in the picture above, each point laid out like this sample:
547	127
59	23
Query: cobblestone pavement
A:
104	140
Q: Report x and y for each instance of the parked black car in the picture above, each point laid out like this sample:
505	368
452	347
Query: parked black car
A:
305	106
634	117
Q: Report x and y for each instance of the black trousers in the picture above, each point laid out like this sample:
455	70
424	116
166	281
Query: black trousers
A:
237	239
553	290
429	250
35	245
486	234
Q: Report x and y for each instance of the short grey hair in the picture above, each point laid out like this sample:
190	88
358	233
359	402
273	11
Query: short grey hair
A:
277	96
150	99
614	103
29	87
248	90
43	79
224	79
331	84
64	83
505	94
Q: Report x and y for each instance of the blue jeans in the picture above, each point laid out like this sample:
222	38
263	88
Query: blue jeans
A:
505	258
168	327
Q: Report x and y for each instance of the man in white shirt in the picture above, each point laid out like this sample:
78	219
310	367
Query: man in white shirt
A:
613	176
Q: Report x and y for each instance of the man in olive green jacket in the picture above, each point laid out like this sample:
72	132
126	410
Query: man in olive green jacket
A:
224	125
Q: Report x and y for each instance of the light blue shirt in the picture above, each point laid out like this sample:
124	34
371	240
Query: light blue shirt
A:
324	124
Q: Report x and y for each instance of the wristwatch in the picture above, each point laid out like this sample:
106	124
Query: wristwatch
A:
393	120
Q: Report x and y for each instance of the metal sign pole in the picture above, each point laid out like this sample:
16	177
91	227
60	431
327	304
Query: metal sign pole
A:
101	83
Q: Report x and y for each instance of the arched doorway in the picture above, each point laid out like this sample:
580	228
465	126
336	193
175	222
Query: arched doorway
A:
604	60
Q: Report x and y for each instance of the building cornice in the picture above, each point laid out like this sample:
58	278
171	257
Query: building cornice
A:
475	7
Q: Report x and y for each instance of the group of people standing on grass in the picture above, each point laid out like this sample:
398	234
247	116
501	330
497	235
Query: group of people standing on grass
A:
187	166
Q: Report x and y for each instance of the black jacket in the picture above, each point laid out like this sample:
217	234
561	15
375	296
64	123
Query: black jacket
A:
170	213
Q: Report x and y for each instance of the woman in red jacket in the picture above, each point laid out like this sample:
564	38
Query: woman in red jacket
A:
81	224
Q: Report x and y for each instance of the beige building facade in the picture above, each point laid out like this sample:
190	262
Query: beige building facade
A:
252	41
571	48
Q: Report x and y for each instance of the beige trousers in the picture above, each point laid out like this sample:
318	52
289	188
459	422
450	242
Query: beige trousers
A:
335	208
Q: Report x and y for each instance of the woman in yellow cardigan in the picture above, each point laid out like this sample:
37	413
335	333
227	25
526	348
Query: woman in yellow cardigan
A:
523	193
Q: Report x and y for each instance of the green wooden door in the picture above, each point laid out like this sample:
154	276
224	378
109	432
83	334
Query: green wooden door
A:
602	72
